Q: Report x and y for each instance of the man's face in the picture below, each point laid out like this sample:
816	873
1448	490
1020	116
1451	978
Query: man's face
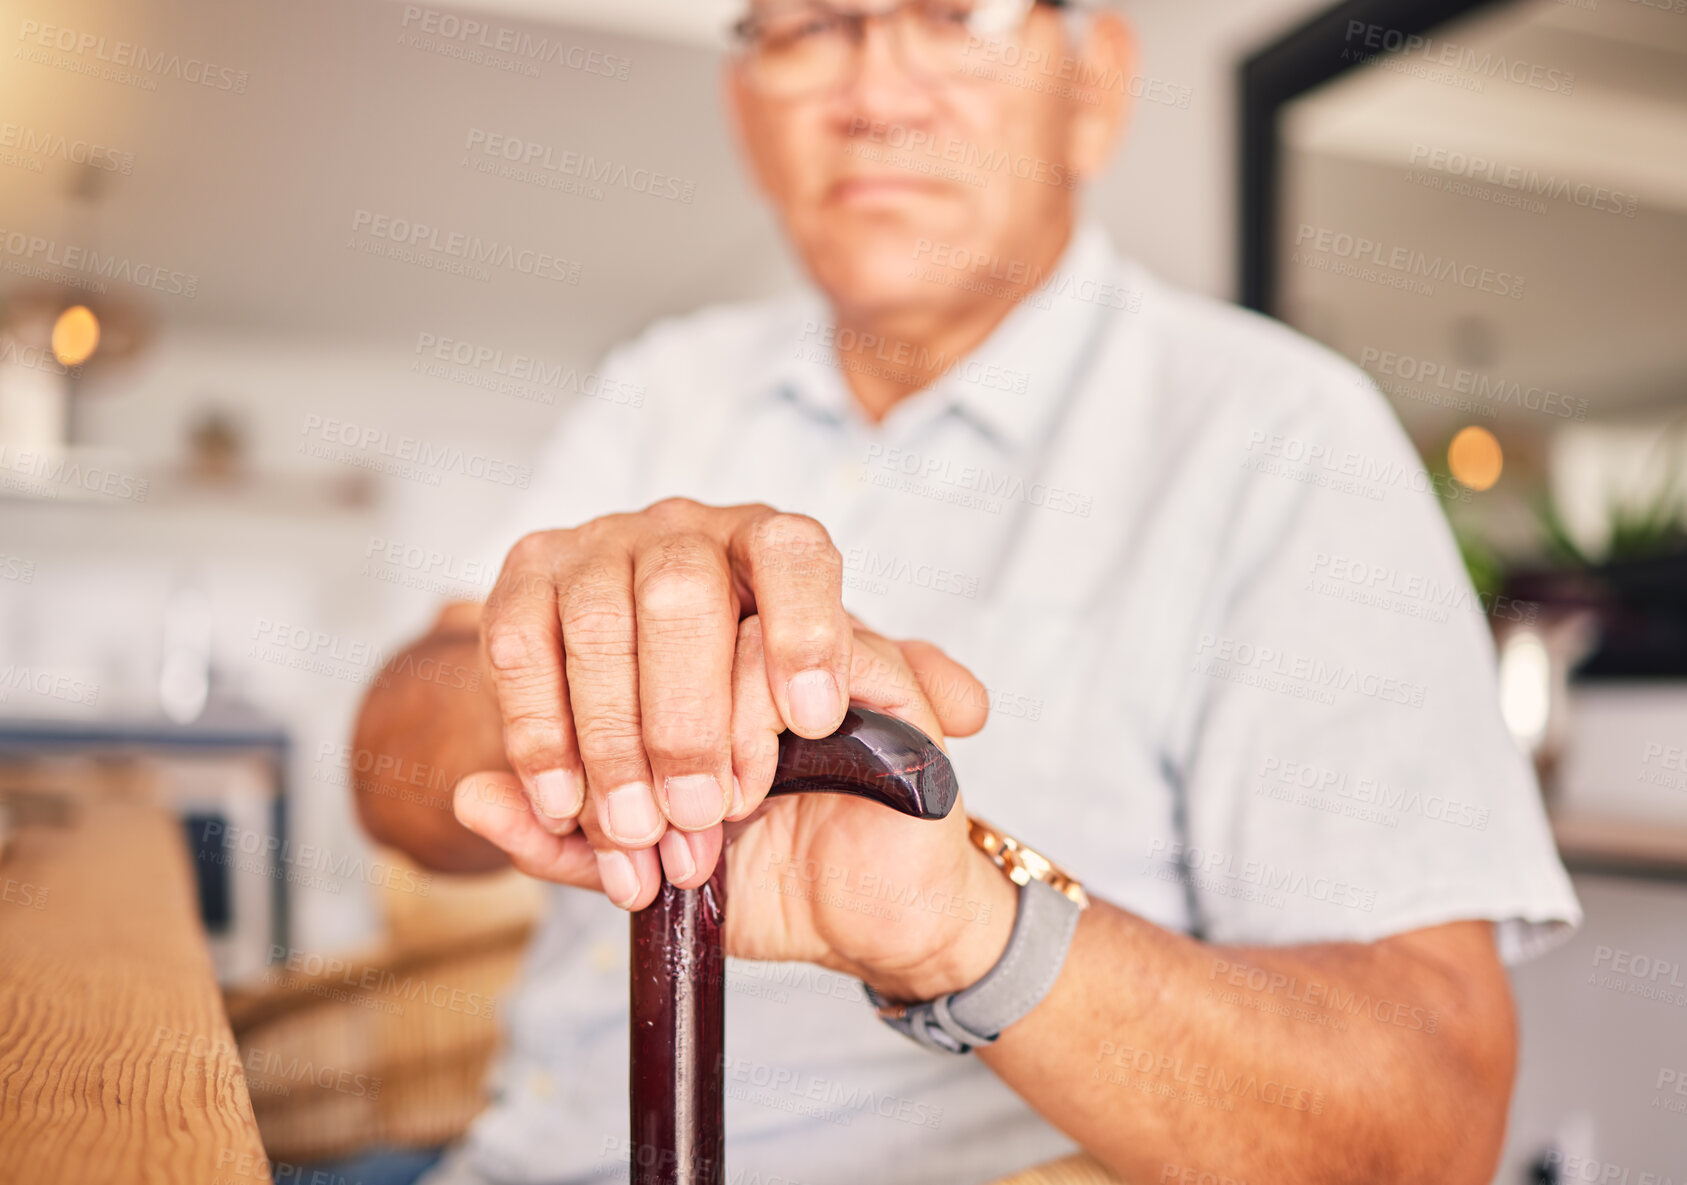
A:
891	166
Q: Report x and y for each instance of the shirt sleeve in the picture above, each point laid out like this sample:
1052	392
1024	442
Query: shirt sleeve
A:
1351	776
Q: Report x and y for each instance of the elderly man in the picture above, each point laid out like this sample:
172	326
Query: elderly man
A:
1148	523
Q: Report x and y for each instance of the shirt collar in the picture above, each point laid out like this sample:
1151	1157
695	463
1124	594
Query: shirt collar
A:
1009	386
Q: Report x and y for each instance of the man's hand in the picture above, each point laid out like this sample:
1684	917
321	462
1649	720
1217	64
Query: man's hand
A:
910	906
610	649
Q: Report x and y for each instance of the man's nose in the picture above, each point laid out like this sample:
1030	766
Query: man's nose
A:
884	85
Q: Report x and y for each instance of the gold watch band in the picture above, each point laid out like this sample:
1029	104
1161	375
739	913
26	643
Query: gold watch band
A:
1023	864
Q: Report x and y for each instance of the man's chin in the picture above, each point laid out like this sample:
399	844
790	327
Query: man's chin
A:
868	287
888	268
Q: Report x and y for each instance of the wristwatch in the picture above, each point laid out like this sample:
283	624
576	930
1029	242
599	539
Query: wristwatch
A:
1050	901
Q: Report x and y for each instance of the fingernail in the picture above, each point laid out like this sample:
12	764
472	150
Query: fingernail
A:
676	856
620	882
631	813
738	802
694	800
559	793
814	700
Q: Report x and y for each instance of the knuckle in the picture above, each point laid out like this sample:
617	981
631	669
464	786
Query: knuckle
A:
531	737
796	543
683	725
590	534
526	573
684	586
592	619
534	550
785	530
808	637
608	735
514	648
672	509
516	588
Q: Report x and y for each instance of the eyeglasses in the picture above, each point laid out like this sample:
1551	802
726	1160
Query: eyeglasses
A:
808	46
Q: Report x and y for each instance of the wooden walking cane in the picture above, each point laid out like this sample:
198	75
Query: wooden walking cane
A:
679	966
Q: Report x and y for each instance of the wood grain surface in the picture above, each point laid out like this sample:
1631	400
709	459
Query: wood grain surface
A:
116	1060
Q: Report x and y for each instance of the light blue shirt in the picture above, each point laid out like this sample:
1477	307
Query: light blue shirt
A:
1240	684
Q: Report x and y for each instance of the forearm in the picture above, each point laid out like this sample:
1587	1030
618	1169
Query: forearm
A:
428	720
1164	1056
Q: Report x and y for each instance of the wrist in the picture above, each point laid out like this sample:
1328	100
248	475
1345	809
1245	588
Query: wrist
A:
983	909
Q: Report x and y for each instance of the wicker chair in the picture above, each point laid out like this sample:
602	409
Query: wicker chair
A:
389	1045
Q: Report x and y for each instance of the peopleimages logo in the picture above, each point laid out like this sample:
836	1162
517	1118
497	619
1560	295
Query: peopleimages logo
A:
1262	874
466	249
966	154
501	46
126	54
1213	1079
1473	167
47	684
1281	780
1380	363
39	254
978	486
43	473
1016	275
279	853
513	373
1434	51
1438	596
1344	468
367	977
1328	996
1408	261
325	434
1308	670
542	159
850	349
39	143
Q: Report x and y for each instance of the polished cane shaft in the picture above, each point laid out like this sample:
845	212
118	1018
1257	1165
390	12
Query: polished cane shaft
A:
678	977
678	1022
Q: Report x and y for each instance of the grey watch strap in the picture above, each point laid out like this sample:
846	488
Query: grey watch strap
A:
1036	951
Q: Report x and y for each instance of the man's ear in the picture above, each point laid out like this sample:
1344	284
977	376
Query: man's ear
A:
1101	102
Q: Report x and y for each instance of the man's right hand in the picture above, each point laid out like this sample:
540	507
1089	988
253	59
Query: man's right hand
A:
610	648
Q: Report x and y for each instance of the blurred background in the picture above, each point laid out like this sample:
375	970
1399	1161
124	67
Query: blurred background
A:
246	450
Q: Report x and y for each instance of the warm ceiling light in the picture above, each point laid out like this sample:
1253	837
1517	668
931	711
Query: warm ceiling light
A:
1475	458
76	334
